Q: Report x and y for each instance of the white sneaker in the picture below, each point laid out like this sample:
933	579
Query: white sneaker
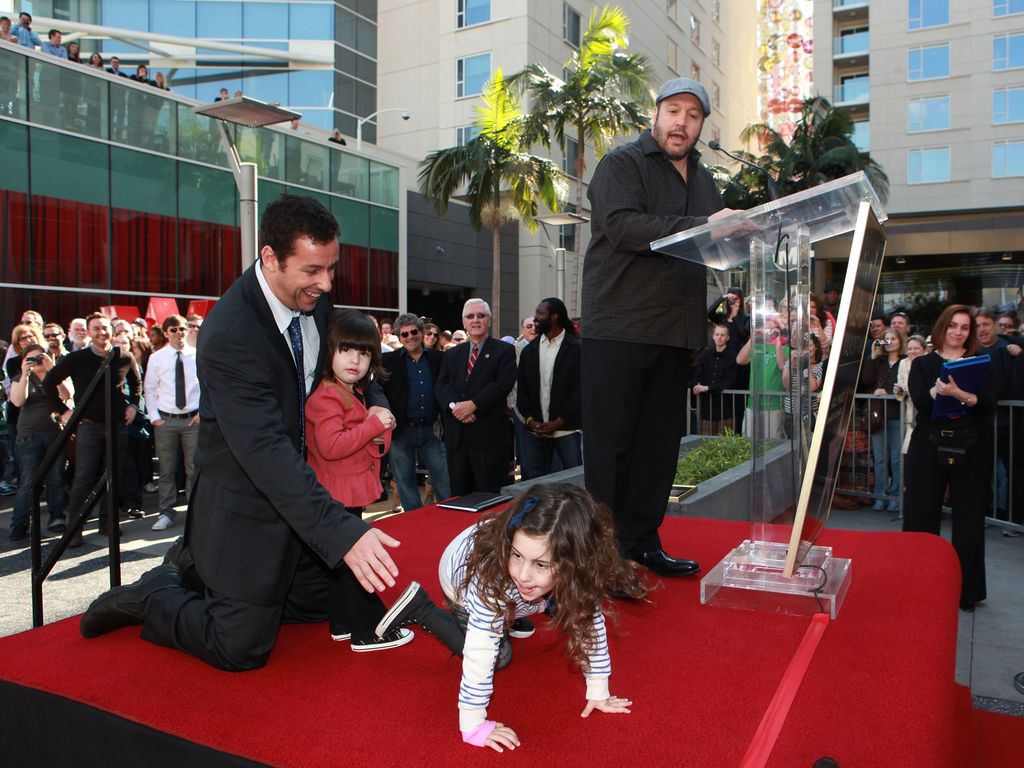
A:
163	523
392	639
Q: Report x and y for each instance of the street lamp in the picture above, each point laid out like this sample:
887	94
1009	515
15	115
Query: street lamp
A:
560	220
359	126
252	113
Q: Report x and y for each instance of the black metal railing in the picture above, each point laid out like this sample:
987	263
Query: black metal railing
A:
105	486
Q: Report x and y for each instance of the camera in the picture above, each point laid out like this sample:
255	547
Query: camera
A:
879	342
35	359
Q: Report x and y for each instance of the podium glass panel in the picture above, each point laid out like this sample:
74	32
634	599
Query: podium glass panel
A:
794	459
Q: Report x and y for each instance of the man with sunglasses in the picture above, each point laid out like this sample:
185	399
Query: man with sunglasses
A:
472	392
412	374
172	395
55	336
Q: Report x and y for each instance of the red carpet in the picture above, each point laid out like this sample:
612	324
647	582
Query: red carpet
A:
879	692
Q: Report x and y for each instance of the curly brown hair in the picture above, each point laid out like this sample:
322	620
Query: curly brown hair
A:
584	556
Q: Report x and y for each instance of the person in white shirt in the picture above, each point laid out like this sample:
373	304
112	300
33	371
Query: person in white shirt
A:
172	395
548	392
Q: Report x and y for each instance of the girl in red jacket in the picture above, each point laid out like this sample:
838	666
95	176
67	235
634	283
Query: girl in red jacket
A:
346	441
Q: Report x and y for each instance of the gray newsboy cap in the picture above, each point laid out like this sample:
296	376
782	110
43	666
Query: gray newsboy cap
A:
685	85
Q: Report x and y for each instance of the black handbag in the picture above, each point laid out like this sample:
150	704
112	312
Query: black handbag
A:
875	415
952	443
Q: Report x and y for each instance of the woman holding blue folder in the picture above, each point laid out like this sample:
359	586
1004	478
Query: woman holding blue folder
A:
952	444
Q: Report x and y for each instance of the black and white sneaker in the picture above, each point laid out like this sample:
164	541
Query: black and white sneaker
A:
521	628
405	610
340	635
392	639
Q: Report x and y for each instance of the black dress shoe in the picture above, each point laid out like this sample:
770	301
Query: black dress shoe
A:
663	565
123	606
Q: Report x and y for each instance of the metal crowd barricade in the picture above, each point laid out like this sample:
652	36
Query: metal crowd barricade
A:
856	470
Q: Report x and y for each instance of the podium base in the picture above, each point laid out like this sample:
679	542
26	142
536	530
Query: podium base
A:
750	577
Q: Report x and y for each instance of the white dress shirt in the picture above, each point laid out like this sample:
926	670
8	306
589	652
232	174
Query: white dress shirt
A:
547	354
159	382
283	317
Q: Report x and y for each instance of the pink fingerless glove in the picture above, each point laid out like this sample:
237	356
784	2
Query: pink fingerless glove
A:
478	736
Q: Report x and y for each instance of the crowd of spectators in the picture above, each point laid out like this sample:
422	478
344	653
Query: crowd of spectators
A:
154	398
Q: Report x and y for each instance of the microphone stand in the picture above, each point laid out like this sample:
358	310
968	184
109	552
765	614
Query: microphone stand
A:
773	190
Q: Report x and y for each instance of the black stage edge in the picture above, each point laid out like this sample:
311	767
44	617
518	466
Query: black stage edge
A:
41	729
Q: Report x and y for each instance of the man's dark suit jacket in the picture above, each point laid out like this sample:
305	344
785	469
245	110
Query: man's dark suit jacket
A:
492	379
396	388
256	503
565	383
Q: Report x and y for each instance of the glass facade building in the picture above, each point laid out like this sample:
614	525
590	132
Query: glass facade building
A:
114	191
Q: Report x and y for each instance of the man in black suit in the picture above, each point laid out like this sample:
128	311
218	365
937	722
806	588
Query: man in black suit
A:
262	534
412	374
472	390
548	391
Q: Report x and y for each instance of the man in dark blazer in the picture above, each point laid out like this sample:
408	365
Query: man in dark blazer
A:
262	534
472	391
412	373
552	412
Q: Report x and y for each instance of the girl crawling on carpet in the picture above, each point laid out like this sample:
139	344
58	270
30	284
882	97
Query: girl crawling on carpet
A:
346	441
553	551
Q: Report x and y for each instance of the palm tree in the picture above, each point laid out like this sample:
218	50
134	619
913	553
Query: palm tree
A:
606	94
502	181
821	149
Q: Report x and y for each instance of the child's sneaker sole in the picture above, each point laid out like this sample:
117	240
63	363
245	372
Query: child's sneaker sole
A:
393	639
342	637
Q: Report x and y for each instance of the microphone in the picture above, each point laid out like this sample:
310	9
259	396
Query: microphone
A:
773	191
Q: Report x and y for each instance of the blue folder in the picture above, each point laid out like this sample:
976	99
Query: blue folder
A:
970	374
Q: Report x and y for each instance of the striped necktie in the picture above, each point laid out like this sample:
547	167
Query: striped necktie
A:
295	336
472	358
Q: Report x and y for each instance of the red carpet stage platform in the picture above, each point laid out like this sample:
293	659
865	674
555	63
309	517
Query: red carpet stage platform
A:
879	691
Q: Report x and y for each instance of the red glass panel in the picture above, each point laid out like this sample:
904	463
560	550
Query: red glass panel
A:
350	277
209	257
69	243
145	252
14	237
383	286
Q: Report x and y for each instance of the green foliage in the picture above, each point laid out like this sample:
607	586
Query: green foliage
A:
820	150
712	457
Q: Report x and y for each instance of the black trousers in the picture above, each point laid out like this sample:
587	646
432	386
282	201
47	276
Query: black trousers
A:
970	493
634	402
479	469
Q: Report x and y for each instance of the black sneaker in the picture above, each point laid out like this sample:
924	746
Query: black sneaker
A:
340	635
57	524
392	639
18	532
521	628
405	610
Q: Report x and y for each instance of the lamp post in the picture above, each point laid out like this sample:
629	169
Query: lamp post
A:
359	125
252	113
560	220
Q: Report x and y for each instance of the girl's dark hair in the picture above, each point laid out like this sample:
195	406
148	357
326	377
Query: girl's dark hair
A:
557	306
351	329
584	556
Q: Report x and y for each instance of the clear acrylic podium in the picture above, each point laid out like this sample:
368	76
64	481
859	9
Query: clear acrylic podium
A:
796	450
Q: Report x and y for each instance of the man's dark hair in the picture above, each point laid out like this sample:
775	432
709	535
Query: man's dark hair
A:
880	316
557	306
290	217
52	32
5	18
26	15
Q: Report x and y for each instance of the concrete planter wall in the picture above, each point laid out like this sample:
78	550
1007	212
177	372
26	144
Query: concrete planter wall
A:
724	497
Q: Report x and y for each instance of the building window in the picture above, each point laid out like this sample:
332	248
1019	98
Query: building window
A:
928	166
716	11
1007	159
471	73
672	54
861	135
716	52
927	62
465	134
1008	105
570	157
670	9
927	13
470	12
716	95
1008	51
1007	7
694	30
570	25
567	232
695	71
928	114
853	88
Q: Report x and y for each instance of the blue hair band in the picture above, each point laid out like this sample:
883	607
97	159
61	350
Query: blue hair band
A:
516	520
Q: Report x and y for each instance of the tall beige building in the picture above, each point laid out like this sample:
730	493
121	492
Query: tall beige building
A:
936	89
435	55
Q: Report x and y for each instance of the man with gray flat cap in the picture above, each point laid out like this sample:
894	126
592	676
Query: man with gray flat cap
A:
643	314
